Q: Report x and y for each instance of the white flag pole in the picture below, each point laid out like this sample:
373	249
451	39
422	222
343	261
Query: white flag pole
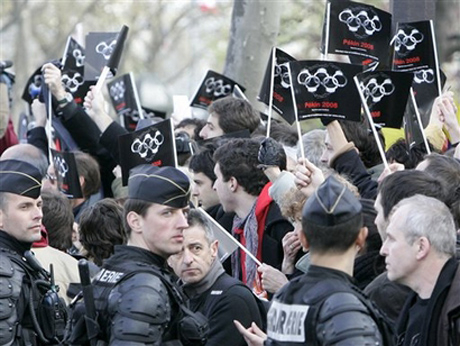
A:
299	130
371	122
230	237
270	100
417	114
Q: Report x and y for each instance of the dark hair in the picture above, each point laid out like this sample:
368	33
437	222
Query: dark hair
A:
282	133
197	123
88	168
447	171
136	205
332	239
364	140
58	219
238	158
101	228
409	158
403	184
234	114
203	161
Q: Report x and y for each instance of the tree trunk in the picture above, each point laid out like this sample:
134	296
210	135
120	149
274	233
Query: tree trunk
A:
254	29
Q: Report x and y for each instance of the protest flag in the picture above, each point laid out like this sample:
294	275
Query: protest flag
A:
111	54
154	145
415	51
227	243
358	30
73	63
275	88
386	94
124	97
324	89
213	87
99	48
67	176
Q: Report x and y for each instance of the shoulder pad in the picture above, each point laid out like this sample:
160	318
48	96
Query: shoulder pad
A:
344	318
6	267
11	276
140	308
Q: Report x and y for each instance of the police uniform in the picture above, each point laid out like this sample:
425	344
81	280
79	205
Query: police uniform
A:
134	305
18	300
323	307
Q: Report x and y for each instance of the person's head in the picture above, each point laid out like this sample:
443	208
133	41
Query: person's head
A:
400	185
228	115
194	262
236	171
314	146
192	126
410	158
90	176
27	153
201	167
447	171
20	202
291	206
359	134
421	231
332	220
101	228
58	219
155	212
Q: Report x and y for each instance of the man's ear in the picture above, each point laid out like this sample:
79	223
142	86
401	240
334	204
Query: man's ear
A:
362	236
1	218
81	179
214	249
424	247
233	183
303	241
134	221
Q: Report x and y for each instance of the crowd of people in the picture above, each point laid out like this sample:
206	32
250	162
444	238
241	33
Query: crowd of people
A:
336	249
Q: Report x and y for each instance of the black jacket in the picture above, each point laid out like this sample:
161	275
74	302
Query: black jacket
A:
226	300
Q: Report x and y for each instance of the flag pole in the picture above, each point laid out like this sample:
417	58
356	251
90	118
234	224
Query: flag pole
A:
417	114
436	60
136	97
371	122
230	237
328	24
270	100
299	131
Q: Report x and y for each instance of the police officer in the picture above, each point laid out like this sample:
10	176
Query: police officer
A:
20	225
323	307
134	305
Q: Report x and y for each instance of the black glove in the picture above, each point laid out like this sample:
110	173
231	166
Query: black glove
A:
271	153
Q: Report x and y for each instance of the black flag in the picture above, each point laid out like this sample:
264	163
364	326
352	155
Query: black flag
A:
415	51
99	48
123	95
73	71
386	94
325	89
357	30
282	97
153	145
67	174
213	87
